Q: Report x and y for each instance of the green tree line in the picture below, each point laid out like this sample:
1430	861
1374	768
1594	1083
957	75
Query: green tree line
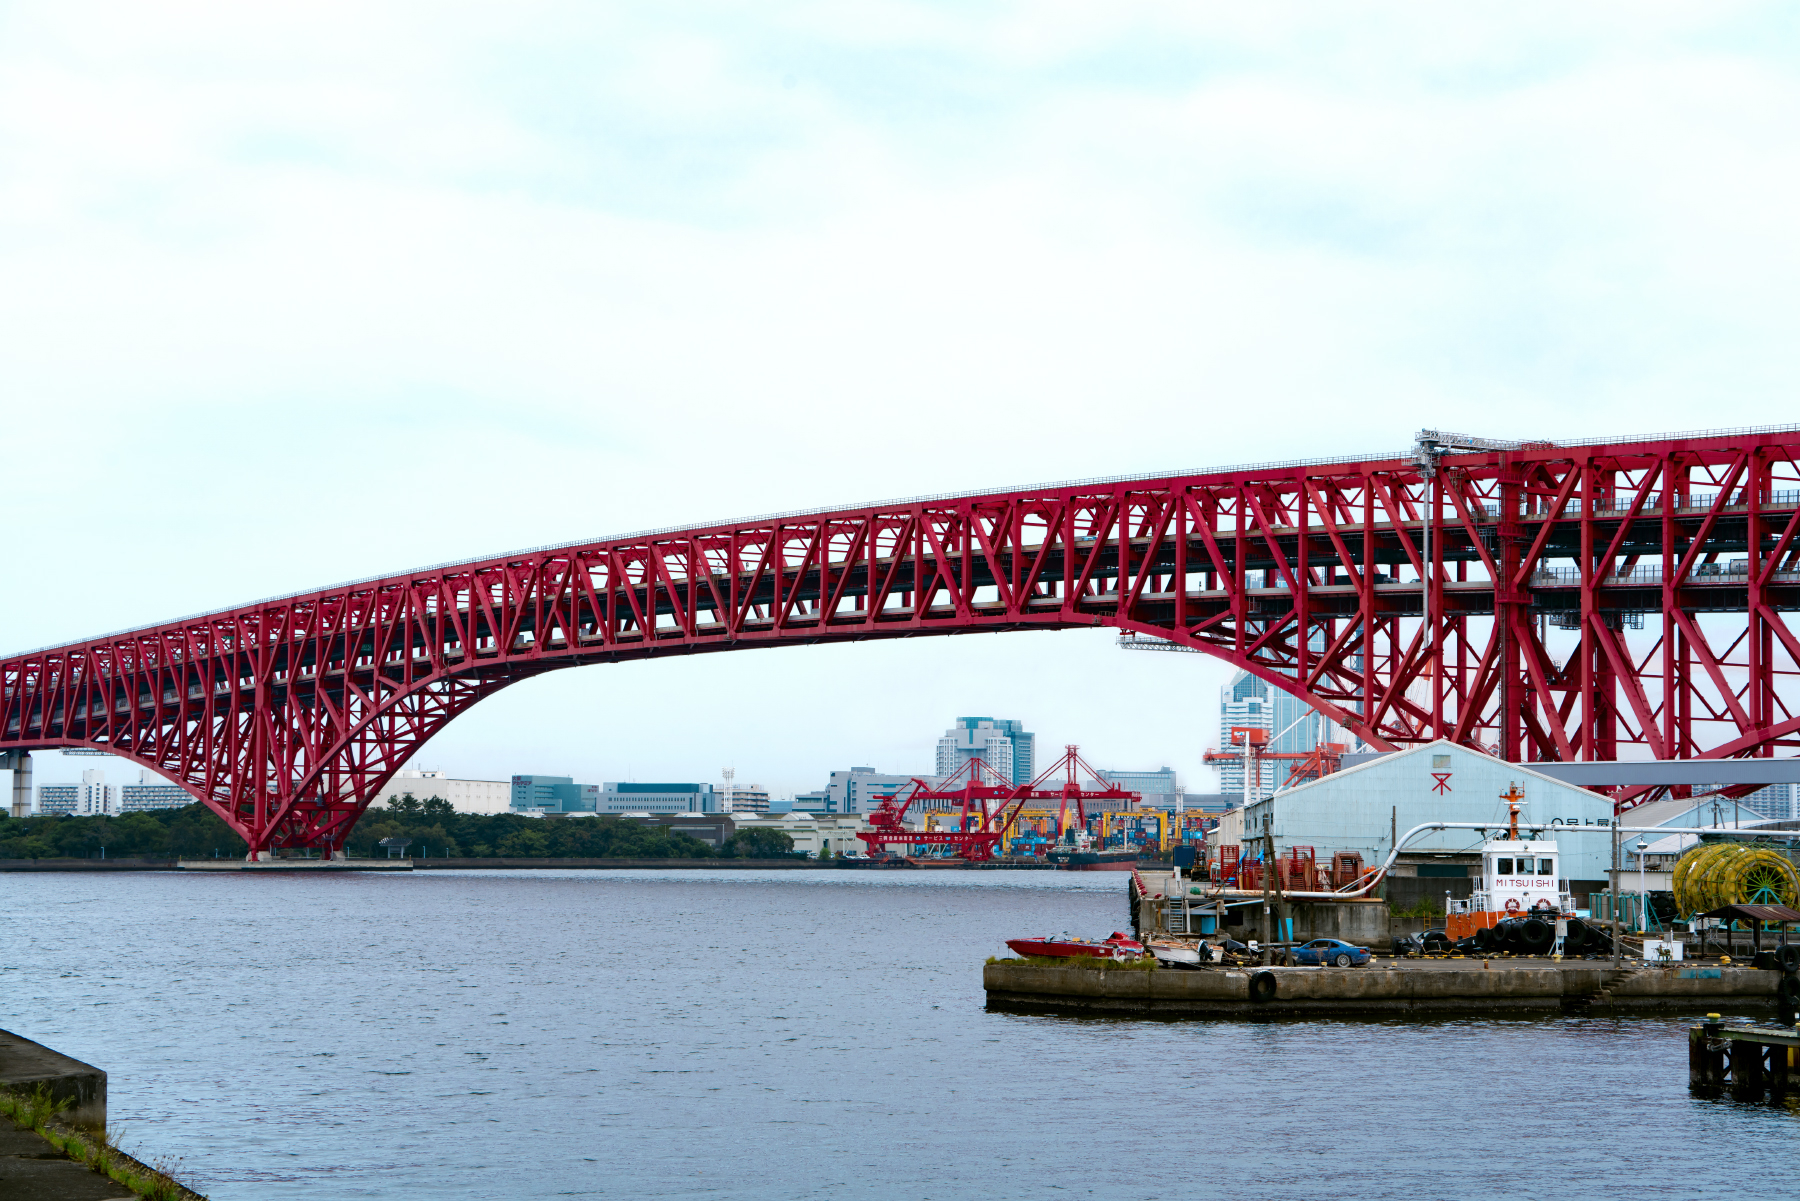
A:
193	832
437	830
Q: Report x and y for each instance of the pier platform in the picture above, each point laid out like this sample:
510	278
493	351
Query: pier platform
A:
314	866
1457	986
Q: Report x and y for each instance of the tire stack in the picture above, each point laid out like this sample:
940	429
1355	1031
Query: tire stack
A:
1534	935
1786	960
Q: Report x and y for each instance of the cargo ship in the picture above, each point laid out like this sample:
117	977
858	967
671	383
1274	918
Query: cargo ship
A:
1083	856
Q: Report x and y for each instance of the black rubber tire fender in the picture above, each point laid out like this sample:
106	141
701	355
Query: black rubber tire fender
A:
1262	987
1483	938
1788	957
1788	991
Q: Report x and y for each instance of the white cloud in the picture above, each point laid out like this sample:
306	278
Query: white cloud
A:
294	294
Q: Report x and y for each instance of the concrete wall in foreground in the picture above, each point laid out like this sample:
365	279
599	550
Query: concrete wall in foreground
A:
1372	990
26	1067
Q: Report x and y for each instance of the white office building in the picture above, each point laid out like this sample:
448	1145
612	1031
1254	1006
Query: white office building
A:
857	790
1159	789
1003	745
625	797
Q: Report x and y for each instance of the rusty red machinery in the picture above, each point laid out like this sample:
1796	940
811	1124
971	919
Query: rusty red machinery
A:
1296	870
1615	598
984	806
1303	766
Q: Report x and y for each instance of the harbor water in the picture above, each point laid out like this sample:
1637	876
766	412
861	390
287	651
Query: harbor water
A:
729	1034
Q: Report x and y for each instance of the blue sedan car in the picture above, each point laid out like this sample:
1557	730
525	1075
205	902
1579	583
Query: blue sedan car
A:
1329	952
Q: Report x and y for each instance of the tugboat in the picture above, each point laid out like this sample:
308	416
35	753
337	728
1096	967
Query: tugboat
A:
1084	856
1520	878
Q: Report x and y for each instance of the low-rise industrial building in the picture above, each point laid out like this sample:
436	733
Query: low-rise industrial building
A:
1366	807
713	829
816	833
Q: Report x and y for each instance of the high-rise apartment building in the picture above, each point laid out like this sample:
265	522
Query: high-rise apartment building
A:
57	799
742	798
1776	801
93	797
1003	745
152	792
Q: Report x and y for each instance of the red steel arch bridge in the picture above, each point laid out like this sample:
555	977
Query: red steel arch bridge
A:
1609	599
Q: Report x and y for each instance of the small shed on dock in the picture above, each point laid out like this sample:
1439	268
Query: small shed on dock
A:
1364	808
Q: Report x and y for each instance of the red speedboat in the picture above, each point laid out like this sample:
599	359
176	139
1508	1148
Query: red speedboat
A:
1118	946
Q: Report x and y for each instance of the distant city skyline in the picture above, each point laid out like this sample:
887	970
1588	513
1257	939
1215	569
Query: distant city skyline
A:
815	765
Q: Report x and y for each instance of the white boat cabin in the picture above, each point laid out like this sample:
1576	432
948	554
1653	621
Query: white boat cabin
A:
1518	876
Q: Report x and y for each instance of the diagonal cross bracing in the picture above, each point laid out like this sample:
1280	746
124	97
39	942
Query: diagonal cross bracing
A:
287	716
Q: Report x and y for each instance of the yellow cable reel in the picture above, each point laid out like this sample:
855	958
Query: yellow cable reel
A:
1732	873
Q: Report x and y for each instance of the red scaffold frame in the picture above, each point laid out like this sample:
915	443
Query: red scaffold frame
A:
986	806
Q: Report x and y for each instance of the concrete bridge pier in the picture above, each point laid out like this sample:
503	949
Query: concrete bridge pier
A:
20	764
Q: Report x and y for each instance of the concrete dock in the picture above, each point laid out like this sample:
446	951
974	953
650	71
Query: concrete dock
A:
1457	986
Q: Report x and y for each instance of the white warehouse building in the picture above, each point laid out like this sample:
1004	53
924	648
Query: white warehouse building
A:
1363	809
465	796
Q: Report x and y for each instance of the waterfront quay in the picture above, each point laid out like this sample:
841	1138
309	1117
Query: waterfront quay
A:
1455	986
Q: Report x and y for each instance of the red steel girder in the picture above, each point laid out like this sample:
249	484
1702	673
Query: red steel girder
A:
1588	600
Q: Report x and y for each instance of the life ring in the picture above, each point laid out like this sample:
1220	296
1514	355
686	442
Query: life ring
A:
1512	904
1543	903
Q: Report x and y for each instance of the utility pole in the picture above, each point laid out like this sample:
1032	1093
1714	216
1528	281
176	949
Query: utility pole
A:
1268	869
1615	892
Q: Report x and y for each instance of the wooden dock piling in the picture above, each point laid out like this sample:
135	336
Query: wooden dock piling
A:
1749	1061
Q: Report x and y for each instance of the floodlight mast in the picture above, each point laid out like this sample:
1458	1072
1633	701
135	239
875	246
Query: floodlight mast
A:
1428	447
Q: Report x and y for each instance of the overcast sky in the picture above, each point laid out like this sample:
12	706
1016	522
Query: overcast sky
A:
292	294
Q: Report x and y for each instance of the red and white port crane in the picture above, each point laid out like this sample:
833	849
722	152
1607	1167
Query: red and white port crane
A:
987	805
1247	743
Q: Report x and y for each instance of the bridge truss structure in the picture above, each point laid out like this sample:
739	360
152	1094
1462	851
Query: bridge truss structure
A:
1594	600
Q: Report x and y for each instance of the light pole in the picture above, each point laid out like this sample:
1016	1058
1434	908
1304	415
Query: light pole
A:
1643	892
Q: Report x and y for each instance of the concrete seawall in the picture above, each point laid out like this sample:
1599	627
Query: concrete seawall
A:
1471	988
87	865
27	1067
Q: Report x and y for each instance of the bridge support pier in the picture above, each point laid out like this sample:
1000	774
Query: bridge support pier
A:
20	763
